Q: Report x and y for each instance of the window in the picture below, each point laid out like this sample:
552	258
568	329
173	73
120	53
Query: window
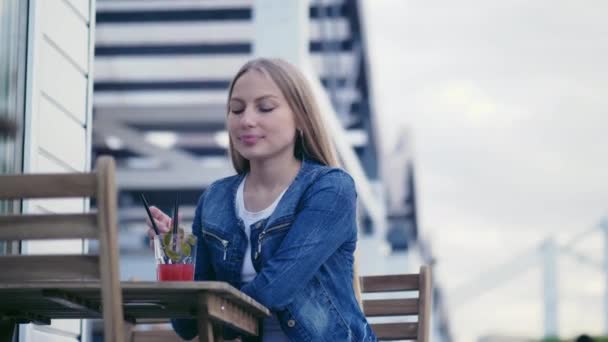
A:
13	44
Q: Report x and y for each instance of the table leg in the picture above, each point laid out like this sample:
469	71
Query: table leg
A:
217	332
7	329
205	328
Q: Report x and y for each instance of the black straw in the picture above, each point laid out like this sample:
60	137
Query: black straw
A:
175	219
143	198
175	214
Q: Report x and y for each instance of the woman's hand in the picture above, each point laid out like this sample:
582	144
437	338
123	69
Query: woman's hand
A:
163	223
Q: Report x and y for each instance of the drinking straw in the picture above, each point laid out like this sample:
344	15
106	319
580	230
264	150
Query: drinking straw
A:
143	198
175	219
175	213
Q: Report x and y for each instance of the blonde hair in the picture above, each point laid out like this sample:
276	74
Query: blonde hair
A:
313	141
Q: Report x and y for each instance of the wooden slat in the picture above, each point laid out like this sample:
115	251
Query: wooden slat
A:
389	283
395	331
424	318
113	324
28	268
390	307
48	226
153	322
47	185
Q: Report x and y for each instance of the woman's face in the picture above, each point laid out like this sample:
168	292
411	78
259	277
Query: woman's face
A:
260	123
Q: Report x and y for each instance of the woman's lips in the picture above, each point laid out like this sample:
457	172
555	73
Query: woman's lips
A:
250	139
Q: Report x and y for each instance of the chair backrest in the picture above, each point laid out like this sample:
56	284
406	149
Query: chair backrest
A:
419	306
100	225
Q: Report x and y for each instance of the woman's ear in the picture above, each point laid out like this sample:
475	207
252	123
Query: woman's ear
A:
300	147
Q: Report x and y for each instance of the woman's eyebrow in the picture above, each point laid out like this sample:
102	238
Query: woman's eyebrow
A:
265	97
257	99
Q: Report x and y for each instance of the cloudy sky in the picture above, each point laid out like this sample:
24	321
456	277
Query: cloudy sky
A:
506	103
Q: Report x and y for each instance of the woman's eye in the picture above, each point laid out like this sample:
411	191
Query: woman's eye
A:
237	110
266	109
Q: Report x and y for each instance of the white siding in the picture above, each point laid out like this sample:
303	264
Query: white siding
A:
51	335
58	121
62	81
66	143
82	7
72	35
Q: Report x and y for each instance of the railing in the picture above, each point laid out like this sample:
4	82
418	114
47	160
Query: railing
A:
544	254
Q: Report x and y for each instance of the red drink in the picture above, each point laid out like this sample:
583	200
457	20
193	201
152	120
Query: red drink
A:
170	272
175	256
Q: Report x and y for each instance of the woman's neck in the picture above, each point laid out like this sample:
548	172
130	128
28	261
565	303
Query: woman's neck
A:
272	174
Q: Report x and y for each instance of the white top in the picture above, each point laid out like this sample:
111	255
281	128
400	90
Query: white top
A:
272	329
249	218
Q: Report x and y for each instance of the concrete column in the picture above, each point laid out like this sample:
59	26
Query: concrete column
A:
550	289
281	30
604	227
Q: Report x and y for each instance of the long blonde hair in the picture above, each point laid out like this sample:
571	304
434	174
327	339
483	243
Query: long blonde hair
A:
313	141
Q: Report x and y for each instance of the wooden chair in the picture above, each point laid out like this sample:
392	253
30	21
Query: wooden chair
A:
100	225
419	306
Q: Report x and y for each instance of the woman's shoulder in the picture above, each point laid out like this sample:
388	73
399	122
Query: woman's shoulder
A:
324	185
221	187
319	175
225	184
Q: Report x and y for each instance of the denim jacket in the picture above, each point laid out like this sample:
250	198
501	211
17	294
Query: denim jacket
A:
303	254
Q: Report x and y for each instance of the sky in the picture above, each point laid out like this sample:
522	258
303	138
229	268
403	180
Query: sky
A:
505	105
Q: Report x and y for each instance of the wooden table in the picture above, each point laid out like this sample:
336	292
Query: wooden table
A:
213	304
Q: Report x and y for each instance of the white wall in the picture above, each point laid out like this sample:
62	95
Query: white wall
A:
58	121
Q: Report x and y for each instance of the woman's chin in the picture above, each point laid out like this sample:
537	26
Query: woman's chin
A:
255	153
251	154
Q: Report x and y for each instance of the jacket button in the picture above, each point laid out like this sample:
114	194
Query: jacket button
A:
291	323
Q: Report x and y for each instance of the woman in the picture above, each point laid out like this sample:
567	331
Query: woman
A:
283	230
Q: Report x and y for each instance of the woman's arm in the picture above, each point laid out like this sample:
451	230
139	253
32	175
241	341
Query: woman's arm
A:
326	220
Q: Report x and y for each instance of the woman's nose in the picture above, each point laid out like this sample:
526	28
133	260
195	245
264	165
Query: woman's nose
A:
248	118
